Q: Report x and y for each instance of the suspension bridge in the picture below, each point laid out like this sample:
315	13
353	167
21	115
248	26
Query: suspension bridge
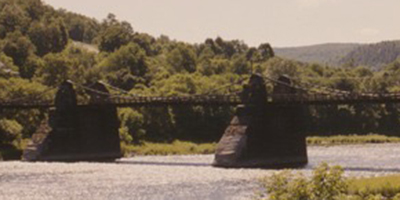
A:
263	133
303	95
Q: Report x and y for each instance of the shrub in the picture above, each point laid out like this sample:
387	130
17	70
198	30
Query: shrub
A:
326	183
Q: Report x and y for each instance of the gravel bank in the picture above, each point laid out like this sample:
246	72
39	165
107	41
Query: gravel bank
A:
174	177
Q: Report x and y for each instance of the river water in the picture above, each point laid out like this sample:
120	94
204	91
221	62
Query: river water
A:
175	177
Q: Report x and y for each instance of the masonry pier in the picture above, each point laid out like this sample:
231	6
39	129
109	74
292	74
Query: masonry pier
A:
75	133
263	135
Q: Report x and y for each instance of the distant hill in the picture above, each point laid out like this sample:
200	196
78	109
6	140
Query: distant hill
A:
336	54
373	55
330	54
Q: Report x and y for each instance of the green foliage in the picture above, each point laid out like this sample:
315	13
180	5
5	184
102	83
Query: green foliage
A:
147	43
82	62
131	126
277	66
326	183
20	89
49	36
387	187
373	55
351	139
12	18
114	35
34	8
214	66
240	65
81	28
126	67
9	131
18	47
7	67
57	69
174	148
182	59
30	66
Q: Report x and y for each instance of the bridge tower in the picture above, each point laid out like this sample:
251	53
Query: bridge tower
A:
263	135
77	133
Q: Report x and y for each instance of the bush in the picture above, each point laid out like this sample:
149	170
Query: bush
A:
326	183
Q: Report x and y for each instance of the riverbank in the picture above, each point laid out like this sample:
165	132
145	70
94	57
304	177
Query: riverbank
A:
188	148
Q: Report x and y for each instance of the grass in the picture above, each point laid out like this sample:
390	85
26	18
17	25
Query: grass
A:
186	148
175	148
387	186
352	139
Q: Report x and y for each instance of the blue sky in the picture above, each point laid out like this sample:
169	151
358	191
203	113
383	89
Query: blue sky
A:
279	22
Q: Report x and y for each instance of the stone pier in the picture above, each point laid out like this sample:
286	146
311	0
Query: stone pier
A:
262	135
77	133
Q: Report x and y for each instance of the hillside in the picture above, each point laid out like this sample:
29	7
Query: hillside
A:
330	54
372	55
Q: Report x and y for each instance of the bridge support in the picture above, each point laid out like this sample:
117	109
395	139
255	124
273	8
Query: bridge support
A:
261	135
77	133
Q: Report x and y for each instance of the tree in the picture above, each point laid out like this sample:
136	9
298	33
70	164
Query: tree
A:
240	65
261	54
114	34
182	59
266	52
146	42
49	38
81	28
57	68
12	18
126	66
7	67
34	8
9	131
18	47
133	123
214	66
17	88
277	66
30	66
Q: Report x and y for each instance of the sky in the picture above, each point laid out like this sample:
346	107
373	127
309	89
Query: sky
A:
282	23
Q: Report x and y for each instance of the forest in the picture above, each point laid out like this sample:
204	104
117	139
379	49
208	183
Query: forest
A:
42	47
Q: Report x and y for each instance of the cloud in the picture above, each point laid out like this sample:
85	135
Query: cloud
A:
369	32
